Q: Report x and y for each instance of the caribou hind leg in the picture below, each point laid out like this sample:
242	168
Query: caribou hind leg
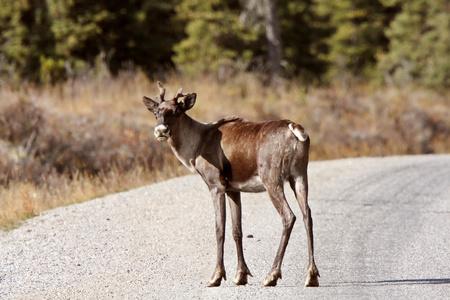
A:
300	187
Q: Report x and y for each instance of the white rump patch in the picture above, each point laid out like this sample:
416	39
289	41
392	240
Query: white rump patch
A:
301	135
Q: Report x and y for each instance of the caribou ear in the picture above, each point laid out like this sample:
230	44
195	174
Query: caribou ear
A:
150	104
187	102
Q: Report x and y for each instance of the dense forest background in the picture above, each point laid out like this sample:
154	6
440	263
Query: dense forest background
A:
392	41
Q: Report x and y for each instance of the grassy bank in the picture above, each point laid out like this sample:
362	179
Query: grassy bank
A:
93	136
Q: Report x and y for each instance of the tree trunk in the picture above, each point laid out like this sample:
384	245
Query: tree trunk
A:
273	41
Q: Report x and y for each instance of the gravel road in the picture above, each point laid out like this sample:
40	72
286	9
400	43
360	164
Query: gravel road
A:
381	227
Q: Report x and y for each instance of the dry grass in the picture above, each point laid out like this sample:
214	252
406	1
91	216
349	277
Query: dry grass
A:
93	136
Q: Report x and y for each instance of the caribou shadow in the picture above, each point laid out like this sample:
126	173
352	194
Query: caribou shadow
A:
390	282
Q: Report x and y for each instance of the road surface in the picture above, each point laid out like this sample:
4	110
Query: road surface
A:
381	227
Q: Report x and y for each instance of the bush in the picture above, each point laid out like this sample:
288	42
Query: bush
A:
40	144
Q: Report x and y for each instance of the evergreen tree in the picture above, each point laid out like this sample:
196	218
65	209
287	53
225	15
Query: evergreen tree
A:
43	40
231	33
137	31
25	36
215	38
358	35
303	34
419	43
301	38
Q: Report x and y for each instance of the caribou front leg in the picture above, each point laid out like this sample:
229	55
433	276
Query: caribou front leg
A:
218	198
234	199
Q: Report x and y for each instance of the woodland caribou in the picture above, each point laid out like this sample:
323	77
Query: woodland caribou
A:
235	155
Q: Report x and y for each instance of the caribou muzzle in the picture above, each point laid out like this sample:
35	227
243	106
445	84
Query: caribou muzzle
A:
162	133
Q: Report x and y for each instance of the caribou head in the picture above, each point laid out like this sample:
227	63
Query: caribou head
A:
168	112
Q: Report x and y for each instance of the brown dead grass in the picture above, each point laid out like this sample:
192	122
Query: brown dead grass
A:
93	136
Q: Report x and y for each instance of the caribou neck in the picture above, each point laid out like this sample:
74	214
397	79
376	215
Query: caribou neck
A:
185	143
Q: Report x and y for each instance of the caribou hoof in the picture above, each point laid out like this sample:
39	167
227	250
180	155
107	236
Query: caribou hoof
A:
272	278
313	276
216	280
312	280
241	277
